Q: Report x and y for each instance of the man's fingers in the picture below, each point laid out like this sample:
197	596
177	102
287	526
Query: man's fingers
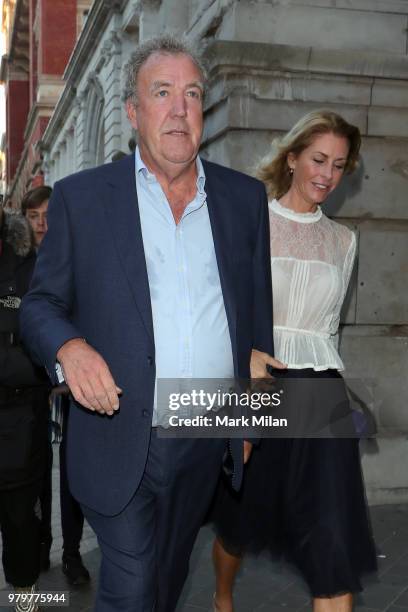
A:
262	362
94	394
97	401
109	389
104	397
89	395
79	397
111	400
275	363
89	377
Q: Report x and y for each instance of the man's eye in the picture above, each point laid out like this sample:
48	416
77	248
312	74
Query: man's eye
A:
162	93
194	94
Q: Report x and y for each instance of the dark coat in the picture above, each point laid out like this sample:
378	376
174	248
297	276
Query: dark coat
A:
23	386
91	281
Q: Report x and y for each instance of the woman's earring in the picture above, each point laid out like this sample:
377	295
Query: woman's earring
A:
290	170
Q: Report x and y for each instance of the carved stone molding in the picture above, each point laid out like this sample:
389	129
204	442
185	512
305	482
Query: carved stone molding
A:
19	52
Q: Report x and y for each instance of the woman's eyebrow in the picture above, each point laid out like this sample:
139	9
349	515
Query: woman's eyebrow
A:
325	155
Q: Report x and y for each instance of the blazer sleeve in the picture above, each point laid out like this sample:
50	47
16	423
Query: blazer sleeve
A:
45	312
263	311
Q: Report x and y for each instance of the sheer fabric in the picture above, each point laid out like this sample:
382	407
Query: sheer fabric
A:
312	259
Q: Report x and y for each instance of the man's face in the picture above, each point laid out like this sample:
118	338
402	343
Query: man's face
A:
37	218
169	112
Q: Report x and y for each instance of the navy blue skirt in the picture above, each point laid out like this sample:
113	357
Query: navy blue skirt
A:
303	499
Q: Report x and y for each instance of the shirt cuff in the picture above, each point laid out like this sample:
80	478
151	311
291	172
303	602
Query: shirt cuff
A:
59	373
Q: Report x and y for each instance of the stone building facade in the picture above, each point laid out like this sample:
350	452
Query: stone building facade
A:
270	62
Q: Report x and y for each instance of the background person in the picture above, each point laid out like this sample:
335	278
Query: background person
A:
23	416
34	207
304	496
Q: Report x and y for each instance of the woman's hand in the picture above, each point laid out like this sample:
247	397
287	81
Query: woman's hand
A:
260	360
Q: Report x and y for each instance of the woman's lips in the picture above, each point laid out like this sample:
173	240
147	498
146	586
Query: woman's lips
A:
320	186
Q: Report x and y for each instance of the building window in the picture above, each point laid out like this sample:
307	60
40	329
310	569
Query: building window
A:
94	141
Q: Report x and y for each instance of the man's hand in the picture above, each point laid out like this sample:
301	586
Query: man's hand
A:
260	360
247	450
88	377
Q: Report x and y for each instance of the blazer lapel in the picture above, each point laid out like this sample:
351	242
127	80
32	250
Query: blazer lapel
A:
221	226
122	212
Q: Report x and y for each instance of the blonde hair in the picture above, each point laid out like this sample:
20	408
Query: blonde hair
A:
273	170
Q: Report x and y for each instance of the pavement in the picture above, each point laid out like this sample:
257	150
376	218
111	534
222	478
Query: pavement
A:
262	585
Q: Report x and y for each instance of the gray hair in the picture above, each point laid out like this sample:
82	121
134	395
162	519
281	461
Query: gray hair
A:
166	44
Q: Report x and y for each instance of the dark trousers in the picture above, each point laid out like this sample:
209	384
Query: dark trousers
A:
72	518
146	547
46	499
20	529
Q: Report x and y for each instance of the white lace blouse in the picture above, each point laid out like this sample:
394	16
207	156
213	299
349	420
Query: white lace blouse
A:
312	259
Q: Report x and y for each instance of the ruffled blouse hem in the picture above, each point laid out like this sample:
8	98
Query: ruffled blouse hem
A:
316	368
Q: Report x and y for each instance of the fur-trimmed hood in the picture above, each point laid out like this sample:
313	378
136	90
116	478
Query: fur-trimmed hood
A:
15	230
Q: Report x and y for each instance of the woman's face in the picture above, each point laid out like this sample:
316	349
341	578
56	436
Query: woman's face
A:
319	168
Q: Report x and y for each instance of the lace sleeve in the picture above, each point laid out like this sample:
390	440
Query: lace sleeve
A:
349	263
348	248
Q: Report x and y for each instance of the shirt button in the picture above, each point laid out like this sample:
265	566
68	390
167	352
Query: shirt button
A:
150	360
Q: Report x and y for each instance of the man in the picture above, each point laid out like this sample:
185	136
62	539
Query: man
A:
23	418
34	207
155	266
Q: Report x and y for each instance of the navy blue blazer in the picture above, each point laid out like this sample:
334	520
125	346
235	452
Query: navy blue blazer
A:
91	281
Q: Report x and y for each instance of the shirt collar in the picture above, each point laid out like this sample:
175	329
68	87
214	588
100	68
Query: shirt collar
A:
141	168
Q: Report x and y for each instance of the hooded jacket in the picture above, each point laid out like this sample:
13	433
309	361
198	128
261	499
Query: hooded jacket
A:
23	385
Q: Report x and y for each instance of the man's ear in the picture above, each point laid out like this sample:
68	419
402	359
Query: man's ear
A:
131	113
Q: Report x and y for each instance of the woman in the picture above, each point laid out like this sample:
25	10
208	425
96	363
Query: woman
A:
304	497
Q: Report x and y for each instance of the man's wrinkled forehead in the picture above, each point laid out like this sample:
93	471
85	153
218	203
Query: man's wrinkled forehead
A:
164	67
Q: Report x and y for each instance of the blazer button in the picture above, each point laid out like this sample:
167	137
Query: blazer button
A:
150	360
145	413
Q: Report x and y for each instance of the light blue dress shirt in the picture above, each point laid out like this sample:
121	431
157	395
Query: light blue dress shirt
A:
190	325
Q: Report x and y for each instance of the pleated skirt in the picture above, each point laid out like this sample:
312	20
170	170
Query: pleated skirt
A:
303	499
